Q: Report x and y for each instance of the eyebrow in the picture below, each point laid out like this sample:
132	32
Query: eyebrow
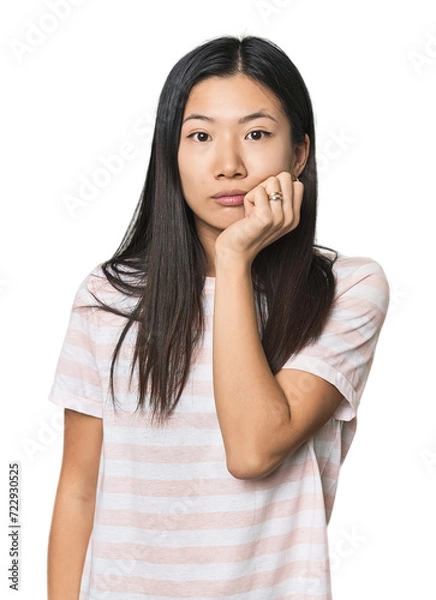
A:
242	120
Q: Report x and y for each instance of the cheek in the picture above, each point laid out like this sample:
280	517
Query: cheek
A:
185	175
192	179
277	158
285	156
272	163
188	168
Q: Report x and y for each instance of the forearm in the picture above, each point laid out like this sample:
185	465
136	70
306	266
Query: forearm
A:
69	536
251	406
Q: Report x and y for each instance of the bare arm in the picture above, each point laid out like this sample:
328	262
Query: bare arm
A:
73	511
263	418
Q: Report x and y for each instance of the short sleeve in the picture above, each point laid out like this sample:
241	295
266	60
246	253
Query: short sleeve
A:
344	352
77	383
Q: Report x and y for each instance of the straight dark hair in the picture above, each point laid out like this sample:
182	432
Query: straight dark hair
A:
165	261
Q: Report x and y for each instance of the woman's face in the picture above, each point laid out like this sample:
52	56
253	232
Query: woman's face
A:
234	135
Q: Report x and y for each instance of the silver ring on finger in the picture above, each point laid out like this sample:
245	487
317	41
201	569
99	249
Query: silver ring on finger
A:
275	196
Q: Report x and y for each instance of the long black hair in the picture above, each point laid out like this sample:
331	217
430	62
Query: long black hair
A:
165	260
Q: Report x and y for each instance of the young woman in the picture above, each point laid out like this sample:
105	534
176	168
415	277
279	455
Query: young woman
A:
213	367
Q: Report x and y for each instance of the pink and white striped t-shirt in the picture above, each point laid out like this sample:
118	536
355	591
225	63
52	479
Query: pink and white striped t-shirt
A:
170	521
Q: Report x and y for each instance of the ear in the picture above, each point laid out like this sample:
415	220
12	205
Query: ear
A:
301	155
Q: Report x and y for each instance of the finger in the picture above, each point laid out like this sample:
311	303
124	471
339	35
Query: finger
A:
278	197
258	197
294	191
274	191
298	188
285	182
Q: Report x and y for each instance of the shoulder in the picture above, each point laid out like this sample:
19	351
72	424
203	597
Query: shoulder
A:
361	282
344	266
354	270
94	283
99	287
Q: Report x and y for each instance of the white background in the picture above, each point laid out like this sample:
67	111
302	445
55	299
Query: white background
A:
91	85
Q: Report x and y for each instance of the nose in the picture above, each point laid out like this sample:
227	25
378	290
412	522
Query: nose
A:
229	161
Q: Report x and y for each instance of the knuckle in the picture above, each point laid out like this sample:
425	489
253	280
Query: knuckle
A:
273	179
285	176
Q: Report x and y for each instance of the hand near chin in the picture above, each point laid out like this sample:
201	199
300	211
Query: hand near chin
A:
266	219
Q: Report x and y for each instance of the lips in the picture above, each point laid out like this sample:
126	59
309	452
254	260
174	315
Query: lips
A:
230	197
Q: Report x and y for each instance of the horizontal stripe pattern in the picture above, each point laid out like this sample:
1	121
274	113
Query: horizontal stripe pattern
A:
170	520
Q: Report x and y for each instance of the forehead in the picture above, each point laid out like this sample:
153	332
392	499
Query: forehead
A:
235	95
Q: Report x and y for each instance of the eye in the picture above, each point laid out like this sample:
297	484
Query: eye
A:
199	136
258	134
